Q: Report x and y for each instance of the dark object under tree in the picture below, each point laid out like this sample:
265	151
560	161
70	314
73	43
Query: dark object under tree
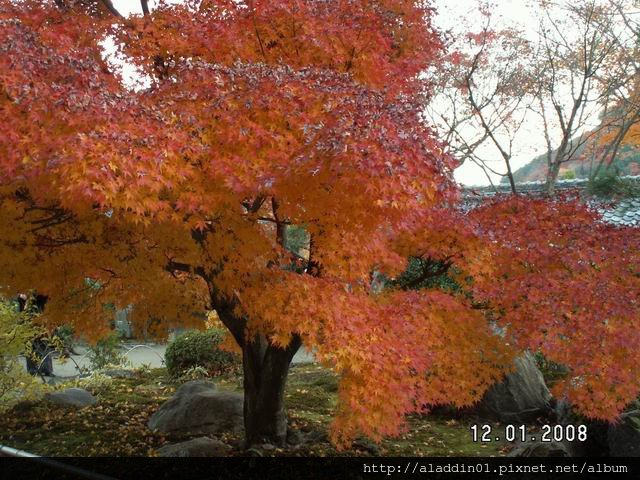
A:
40	362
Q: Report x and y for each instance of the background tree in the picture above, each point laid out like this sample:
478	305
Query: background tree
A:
621	115
262	118
584	65
570	81
482	89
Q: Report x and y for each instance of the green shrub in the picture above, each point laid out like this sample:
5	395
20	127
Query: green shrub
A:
200	349
64	335
194	373
97	383
427	273
16	332
610	184
106	352
551	371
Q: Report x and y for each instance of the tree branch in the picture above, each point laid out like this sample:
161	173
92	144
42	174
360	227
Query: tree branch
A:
145	7
428	271
173	266
109	6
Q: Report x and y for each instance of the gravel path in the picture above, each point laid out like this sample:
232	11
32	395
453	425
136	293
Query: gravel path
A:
139	354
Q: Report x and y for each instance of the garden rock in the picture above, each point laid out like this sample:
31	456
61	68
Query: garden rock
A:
540	449
316	436
596	444
367	446
624	436
196	447
266	447
521	397
195	386
198	407
71	398
253	452
294	437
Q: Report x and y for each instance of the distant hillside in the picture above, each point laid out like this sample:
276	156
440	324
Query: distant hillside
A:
627	162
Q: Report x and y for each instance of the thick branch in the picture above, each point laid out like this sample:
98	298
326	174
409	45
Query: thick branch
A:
253	207
173	266
228	313
145	7
429	272
109	6
46	242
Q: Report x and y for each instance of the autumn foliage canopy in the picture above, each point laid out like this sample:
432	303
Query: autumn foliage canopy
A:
264	117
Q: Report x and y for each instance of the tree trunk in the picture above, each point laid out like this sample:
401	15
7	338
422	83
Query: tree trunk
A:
512	182
265	375
265	367
552	176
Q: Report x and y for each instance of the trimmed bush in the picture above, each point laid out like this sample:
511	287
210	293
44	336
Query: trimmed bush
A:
200	349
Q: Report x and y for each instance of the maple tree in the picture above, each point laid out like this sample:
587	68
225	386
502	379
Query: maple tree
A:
569	288
273	166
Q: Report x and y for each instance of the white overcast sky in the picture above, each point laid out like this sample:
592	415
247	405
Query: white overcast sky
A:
450	13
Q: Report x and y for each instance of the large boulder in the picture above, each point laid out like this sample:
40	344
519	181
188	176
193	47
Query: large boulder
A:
198	407
521	397
196	447
595	444
624	436
71	398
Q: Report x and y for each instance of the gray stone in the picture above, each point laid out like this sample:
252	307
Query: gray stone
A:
540	449
263	450
196	447
238	444
266	447
195	386
294	437
71	398
366	445
197	407
316	436
522	396
253	452
624	436
564	413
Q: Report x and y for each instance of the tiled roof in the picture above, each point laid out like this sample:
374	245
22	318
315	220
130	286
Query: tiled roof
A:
625	211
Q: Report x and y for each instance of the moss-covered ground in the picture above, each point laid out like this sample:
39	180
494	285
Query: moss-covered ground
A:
116	424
